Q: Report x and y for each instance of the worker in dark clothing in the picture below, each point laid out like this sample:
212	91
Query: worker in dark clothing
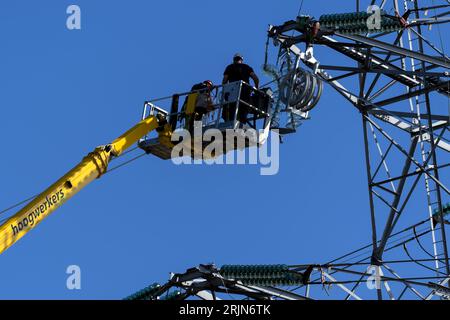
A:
239	71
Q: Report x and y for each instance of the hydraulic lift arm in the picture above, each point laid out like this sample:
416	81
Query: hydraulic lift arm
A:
93	166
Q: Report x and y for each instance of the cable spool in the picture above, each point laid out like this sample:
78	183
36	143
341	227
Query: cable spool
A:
301	91
316	94
294	88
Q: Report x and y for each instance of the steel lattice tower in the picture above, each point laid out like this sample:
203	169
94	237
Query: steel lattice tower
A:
402	96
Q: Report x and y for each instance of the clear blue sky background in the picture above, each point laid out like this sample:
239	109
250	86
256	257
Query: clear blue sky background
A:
64	92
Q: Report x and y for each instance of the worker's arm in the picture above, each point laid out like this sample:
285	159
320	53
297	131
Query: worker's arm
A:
255	79
93	166
225	79
210	103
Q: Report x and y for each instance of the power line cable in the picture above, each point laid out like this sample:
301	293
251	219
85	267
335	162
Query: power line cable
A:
34	196
18	204
125	163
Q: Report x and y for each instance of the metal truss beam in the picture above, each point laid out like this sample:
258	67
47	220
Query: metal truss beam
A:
445	63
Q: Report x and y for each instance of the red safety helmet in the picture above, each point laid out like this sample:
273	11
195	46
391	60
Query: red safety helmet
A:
209	83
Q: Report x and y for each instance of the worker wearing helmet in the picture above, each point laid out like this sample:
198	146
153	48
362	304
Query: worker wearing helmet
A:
239	71
203	103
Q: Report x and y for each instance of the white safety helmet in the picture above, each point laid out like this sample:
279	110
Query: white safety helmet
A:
238	57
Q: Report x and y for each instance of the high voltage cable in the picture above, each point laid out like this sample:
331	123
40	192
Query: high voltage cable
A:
391	241
18	204
124	154
125	163
110	170
15	206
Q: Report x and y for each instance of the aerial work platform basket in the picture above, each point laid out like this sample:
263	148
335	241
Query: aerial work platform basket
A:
237	114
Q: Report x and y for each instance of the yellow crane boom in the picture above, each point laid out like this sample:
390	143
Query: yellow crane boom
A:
93	166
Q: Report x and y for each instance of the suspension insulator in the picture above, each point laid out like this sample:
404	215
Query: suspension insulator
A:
356	23
262	275
445	209
146	293
437	214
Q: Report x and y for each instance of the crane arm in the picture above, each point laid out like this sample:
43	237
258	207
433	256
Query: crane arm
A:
93	166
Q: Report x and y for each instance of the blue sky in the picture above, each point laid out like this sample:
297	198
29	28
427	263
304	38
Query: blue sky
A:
65	92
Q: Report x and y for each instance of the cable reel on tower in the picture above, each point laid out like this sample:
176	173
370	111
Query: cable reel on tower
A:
301	91
298	92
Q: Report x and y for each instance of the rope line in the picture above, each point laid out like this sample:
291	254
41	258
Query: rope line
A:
109	171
